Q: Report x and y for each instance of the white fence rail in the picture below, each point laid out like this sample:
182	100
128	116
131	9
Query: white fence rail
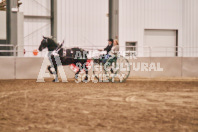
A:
145	51
7	49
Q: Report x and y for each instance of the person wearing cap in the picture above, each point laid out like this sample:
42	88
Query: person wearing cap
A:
109	46
113	52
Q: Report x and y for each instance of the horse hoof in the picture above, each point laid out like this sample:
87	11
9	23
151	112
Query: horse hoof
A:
86	80
55	80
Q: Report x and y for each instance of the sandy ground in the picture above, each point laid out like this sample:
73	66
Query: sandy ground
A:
136	105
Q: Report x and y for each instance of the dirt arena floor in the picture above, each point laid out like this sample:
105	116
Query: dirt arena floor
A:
134	106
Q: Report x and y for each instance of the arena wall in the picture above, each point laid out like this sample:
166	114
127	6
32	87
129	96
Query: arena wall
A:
7	70
172	67
190	67
29	68
139	73
165	67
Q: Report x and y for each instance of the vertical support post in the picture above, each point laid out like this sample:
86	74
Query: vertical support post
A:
11	22
54	19
114	19
110	18
8	23
176	49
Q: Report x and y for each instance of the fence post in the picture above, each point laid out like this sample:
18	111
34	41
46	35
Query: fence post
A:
15	49
182	51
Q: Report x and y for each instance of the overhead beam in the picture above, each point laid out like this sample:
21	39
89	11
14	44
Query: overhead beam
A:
37	17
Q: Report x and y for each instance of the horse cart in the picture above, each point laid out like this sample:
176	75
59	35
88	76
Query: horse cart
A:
115	69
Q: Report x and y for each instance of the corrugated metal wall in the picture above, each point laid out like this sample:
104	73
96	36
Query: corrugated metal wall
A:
138	15
190	27
163	14
35	27
131	21
83	22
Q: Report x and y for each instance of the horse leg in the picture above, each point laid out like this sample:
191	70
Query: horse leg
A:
49	69
76	75
53	65
86	71
56	74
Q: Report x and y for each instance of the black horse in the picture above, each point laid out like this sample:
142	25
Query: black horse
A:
72	56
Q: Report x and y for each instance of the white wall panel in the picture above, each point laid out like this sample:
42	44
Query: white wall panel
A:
190	27
36	7
35	28
138	15
7	70
83	22
163	14
131	21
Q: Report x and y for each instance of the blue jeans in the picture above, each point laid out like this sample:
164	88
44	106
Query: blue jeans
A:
106	58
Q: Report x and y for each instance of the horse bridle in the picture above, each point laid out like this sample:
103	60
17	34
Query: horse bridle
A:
45	39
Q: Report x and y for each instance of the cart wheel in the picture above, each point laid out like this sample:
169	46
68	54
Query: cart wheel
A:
118	68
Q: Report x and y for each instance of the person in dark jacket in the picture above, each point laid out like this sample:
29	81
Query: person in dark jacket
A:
108	49
109	46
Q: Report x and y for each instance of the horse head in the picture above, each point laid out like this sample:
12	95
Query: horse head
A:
48	43
44	43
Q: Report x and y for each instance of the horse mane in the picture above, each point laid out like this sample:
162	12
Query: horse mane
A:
52	44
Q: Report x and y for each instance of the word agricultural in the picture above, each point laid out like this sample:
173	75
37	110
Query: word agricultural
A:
107	76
